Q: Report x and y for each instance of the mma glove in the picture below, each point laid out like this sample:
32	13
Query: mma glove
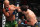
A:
7	9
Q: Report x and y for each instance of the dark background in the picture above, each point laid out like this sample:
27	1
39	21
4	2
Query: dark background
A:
1	7
33	4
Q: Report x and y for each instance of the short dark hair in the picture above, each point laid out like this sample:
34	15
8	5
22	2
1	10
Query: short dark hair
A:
23	8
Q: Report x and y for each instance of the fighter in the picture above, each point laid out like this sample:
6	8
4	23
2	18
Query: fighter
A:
9	13
29	14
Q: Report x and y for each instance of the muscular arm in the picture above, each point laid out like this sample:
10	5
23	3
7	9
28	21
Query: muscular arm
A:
7	13
18	9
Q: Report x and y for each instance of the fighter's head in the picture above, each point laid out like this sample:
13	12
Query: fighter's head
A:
6	3
23	8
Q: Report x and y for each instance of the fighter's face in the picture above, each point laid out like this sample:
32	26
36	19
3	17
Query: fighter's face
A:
6	4
23	12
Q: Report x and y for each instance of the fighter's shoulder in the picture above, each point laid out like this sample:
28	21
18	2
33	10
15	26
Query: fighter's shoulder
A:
30	12
11	7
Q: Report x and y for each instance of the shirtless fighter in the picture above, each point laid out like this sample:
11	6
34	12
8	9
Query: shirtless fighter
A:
30	16
9	13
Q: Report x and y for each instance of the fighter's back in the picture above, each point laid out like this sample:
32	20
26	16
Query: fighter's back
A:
31	17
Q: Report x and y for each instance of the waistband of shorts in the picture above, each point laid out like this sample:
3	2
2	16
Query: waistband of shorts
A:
36	23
